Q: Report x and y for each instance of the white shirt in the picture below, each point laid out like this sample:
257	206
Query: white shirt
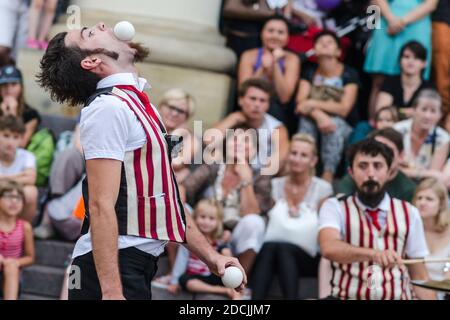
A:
108	129
331	215
23	160
282	227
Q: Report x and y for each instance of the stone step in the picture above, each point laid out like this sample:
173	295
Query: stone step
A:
308	289
53	253
35	297
42	281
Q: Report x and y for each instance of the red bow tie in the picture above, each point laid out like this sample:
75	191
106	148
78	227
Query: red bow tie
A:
374	216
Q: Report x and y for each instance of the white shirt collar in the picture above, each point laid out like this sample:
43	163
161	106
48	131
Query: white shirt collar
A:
383	206
124	79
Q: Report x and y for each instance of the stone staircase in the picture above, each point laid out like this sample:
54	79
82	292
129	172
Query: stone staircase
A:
44	279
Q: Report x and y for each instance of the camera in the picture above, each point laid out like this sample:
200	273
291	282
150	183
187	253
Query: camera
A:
175	144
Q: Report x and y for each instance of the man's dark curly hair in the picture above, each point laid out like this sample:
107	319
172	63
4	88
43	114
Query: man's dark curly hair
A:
62	74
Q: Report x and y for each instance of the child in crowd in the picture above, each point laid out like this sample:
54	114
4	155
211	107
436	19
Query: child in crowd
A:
16	239
18	164
385	117
189	272
38	39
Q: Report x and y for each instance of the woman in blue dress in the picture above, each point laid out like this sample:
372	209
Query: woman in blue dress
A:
401	22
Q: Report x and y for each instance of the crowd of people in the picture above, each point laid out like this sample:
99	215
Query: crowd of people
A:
304	113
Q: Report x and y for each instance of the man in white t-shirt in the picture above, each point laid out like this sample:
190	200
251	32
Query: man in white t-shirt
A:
367	235
131	197
18	164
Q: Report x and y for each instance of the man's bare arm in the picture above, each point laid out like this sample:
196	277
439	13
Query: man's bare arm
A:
103	184
334	249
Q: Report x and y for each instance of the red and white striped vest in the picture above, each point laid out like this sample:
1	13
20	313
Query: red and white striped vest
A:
148	204
355	280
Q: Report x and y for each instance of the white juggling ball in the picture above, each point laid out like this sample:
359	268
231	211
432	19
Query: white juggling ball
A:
232	278
124	31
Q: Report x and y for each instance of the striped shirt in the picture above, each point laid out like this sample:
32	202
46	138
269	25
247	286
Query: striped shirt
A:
11	243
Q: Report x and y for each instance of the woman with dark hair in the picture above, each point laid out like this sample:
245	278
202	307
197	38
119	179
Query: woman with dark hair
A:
325	100
243	192
273	63
401	90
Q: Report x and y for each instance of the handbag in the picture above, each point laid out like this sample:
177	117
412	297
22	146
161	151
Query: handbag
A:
249	10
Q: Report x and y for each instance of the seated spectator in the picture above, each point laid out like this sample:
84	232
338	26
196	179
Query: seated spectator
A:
326	96
425	143
16	237
371	227
274	64
431	199
37	39
401	90
176	107
190	273
242	191
385	117
273	145
18	164
12	101
290	248
39	142
398	185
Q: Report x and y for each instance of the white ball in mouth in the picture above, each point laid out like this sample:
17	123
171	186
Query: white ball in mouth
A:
124	31
232	278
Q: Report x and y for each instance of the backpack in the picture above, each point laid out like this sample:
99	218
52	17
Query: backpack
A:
42	145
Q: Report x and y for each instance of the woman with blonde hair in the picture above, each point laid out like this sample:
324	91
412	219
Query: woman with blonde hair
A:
176	108
290	247
431	199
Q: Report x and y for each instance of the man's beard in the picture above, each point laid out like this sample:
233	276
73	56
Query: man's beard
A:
141	51
371	193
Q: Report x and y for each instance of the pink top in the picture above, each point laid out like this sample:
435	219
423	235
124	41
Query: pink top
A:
11	243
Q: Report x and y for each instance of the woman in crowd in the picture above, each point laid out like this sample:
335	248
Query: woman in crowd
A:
431	199
425	144
243	193
273	63
290	248
326	96
401	90
176	108
401	21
